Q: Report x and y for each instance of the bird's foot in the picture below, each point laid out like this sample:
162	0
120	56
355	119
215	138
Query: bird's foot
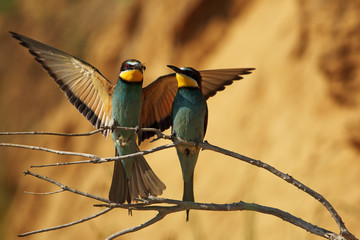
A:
112	125
137	130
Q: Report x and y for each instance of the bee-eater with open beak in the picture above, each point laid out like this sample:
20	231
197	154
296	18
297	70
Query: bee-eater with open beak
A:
126	104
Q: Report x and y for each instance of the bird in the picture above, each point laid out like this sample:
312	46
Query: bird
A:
105	104
135	175
126	104
189	122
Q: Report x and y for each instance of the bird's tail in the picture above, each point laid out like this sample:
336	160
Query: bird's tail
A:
119	190
188	193
143	181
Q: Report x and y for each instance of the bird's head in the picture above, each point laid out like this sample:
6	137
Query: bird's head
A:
132	71
187	77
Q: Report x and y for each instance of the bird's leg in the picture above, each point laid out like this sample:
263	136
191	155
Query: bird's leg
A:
197	146
173	136
112	125
137	131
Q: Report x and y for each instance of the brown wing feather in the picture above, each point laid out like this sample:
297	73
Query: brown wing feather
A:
85	87
215	80
157	101
159	95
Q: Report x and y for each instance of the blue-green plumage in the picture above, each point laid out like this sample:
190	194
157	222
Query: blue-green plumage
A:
132	177
189	120
126	105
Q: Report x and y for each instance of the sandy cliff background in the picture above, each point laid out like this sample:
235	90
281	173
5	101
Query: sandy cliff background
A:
299	111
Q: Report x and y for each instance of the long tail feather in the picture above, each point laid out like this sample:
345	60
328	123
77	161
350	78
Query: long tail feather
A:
142	183
188	193
119	190
144	180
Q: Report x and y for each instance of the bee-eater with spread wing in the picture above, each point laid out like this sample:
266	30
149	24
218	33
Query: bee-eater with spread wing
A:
189	121
126	104
103	104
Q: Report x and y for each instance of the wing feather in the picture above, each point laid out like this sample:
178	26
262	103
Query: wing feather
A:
85	87
159	95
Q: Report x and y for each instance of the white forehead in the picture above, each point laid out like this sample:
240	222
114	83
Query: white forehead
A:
132	63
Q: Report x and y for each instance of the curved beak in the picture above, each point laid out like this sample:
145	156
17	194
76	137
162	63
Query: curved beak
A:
176	69
141	67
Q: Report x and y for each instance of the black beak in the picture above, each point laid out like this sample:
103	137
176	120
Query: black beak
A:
141	68
176	69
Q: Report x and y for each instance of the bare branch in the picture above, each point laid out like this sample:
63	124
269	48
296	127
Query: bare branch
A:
66	188
239	206
46	193
53	133
67	224
149	204
49	150
95	159
136	129
287	178
109	159
157	218
176	206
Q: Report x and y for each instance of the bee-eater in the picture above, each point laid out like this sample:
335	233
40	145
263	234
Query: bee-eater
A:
103	104
189	121
126	104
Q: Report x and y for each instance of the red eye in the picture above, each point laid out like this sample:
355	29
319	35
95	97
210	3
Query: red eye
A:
127	66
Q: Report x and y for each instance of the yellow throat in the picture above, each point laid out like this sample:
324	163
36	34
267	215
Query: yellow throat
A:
185	81
131	75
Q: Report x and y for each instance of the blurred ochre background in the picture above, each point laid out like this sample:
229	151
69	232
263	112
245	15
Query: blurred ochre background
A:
299	111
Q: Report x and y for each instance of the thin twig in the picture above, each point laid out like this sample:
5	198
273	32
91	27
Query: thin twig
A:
66	188
46	193
102	129
49	150
157	218
53	133
109	159
67	224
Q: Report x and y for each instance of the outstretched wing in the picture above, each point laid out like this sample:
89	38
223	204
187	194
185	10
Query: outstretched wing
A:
158	96
215	80
85	87
157	100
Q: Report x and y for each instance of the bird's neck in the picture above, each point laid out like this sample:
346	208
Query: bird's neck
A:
123	81
127	103
189	89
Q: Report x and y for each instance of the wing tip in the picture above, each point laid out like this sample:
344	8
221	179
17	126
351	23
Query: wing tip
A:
162	125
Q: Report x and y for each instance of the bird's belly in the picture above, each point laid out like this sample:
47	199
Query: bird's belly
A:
126	113
187	150
189	125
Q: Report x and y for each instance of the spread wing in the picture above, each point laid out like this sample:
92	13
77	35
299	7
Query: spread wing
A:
159	95
85	87
216	80
157	100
